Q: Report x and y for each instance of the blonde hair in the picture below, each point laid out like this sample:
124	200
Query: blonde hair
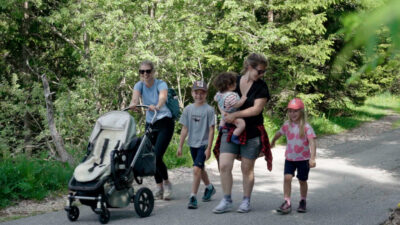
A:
303	121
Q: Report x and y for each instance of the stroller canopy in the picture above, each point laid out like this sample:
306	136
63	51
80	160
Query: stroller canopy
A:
118	121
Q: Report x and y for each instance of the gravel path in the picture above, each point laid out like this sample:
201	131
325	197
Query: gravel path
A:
365	132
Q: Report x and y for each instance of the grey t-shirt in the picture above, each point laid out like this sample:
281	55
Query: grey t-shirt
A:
198	120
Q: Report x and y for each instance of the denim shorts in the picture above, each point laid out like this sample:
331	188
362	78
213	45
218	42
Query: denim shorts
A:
198	156
250	150
303	168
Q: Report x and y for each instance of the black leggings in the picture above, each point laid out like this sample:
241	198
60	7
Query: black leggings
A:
165	130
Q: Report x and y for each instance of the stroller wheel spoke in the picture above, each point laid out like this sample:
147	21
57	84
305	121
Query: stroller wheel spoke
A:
144	202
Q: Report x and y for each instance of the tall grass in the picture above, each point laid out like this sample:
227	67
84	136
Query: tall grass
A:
23	178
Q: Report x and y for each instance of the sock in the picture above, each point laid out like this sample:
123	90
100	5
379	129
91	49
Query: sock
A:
303	198
192	195
288	200
246	199
228	198
210	186
235	139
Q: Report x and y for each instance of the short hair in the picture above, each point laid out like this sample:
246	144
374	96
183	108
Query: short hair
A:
224	80
149	63
253	60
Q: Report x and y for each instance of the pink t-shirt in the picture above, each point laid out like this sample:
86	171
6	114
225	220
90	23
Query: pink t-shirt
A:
297	149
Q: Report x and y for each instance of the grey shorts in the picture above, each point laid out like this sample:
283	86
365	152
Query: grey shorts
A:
250	150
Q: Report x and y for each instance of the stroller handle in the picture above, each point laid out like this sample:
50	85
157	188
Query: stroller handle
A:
141	106
145	107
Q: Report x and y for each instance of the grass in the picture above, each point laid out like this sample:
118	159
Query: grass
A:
23	178
374	108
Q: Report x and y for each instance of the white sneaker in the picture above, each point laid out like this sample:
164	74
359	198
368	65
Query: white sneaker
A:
223	206
159	194
168	192
244	207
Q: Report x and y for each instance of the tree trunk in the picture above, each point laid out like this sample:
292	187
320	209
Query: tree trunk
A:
151	10
270	13
28	147
270	16
57	139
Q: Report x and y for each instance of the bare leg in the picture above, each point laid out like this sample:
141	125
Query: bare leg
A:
303	188
240	126
196	179
204	177
287	185
226	164
248	176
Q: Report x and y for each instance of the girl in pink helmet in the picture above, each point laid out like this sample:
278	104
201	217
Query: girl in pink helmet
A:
300	153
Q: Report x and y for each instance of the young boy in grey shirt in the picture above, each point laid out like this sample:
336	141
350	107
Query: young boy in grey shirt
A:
198	120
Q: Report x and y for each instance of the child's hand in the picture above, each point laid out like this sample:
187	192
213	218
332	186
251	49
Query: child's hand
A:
179	152
207	153
312	163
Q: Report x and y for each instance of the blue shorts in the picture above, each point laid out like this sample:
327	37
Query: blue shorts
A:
303	168
198	156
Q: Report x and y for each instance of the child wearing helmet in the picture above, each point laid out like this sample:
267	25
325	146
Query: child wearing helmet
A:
300	153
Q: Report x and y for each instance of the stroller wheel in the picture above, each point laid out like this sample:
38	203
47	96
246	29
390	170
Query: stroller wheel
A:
73	213
144	202
104	217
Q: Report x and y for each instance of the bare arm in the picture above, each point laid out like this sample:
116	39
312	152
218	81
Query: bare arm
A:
210	141
276	137
256	109
135	99
182	138
162	99
313	150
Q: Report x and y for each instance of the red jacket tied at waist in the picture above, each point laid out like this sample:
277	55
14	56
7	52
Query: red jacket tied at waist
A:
265	145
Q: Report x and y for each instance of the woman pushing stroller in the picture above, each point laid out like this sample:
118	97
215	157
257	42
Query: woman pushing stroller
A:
154	93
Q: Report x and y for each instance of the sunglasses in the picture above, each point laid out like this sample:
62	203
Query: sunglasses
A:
145	71
259	72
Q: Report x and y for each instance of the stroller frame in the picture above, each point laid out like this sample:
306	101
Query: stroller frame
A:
143	199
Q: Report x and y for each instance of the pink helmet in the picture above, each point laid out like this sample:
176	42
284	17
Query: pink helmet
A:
295	103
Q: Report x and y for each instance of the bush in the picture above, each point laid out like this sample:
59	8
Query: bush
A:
23	178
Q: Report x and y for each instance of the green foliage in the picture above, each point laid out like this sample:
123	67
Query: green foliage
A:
170	158
90	51
23	178
376	31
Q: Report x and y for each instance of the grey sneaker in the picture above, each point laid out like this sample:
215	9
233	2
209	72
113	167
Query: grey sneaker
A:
244	207
223	206
168	192
192	203
159	194
208	193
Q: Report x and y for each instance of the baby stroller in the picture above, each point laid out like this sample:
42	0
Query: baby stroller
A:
115	158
